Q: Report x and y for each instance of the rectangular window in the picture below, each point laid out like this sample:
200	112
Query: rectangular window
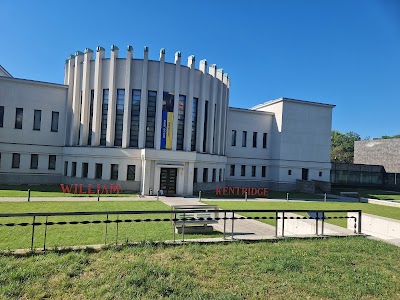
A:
220	175
135	118
104	112
214	175
244	139
73	169
37	117
233	142
119	117
99	171
320	174
130	175
263	171
243	170
34	161
15	160
52	162
151	118
85	170
90	117
194	124
304	174
181	122
289	172
195	175
254	139
205	175
205	126
65	168
265	135
215	129
1	115
19	113
253	171
232	173
114	172
54	121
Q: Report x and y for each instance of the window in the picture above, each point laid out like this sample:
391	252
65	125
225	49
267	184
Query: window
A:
54	121
73	169
130	175
135	118
320	174
119	117
151	118
104	112
289	172
232	172
19	112
52	162
114	172
65	168
194	124
205	175
90	117
181	122
254	139
220	175
263	171
99	171
253	171
195	175
233	142
205	126
304	174
265	136
214	175
15	160
37	117
243	170
1	115
85	170
34	161
244	139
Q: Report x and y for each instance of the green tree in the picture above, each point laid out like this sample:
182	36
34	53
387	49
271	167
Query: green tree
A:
342	146
386	137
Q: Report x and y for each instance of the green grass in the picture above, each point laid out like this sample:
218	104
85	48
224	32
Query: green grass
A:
49	191
271	195
19	237
345	268
380	210
367	193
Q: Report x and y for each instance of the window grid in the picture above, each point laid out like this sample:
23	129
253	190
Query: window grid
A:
194	124
119	117
244	139
15	160
37	118
52	162
1	116
233	142
232	170
104	118
65	168
205	175
253	171
19	113
265	137
181	122
73	169
195	175
114	171
254	139
263	171
99	171
205	126
151	118
54	121
89	142
214	175
243	170
131	172
135	118
34	161
85	170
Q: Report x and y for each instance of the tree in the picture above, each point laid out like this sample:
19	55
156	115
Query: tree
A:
386	137
342	146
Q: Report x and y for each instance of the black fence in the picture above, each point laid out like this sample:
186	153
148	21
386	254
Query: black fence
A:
41	220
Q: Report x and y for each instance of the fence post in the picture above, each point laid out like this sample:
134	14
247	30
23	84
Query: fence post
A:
116	238
45	235
183	228
316	223
98	195
199	196
105	237
174	227
359	222
283	224
276	224
287	197
224	224
325	197
233	220
245	195
33	232
158	195
29	195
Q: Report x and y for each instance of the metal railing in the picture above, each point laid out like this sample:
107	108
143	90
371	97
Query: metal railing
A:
183	221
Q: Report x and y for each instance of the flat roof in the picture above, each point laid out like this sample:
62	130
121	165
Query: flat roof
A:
268	103
29	81
247	110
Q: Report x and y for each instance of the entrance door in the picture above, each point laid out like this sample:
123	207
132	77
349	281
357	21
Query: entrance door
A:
168	180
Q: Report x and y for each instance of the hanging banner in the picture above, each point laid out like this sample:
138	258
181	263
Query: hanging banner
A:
167	120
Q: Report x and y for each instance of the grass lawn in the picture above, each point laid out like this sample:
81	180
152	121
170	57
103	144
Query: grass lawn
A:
271	195
374	194
48	191
19	237
380	210
345	268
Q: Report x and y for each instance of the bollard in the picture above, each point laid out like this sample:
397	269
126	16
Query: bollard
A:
29	195
325	197
199	196
158	195
245	196
287	197
98	195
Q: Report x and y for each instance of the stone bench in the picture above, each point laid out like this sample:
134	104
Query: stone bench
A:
192	224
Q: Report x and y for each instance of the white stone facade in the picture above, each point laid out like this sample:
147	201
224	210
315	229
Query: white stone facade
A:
153	125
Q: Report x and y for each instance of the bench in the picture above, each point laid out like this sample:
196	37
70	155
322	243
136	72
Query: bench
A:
196	212
345	194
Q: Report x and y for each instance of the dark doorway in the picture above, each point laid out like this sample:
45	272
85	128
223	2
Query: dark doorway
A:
304	174
168	181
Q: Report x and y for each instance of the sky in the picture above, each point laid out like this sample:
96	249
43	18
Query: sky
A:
341	52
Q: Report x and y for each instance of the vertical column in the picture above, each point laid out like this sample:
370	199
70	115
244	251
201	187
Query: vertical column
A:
176	97
112	97
143	101
128	96
146	174
211	108
187	137
98	95
76	99
218	123
70	81
160	91
225	109
84	126
200	107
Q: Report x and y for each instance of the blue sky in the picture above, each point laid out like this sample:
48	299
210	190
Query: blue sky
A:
342	52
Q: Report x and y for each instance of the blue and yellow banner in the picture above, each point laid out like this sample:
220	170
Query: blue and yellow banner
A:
167	122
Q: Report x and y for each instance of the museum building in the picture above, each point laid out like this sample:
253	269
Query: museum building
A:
153	125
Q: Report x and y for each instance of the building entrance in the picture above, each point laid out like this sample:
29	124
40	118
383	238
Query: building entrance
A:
168	180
